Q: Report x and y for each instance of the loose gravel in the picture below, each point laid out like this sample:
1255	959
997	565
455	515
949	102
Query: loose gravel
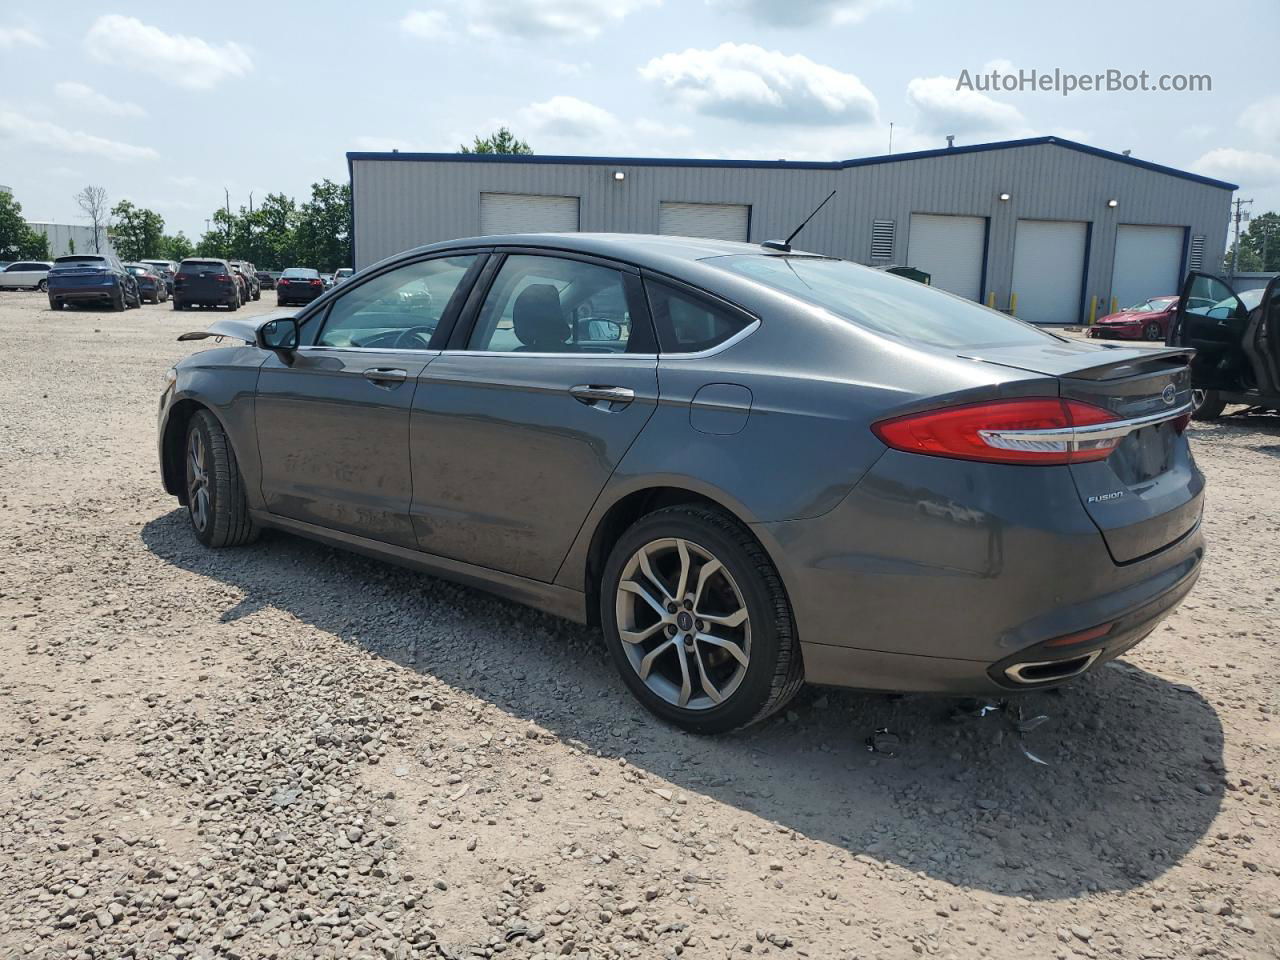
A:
289	751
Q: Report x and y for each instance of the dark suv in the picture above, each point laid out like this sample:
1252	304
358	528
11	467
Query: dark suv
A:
252	285
206	282
92	278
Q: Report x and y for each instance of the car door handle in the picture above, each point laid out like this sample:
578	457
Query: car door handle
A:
385	375
592	394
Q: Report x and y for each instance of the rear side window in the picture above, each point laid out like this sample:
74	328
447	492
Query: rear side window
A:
688	323
879	301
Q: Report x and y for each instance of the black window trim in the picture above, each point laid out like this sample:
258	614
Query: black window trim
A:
637	305
320	307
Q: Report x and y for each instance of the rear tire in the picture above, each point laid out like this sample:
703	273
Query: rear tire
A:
727	575
216	502
43	286
54	303
1210	406
119	301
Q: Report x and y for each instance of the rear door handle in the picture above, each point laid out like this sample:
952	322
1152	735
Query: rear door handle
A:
592	394
385	375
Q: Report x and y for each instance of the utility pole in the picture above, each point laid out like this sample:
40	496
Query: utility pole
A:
1240	214
890	138
251	201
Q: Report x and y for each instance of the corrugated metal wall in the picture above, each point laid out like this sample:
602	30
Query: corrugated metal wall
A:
403	203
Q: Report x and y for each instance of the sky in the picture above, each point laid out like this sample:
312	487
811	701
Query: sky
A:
169	109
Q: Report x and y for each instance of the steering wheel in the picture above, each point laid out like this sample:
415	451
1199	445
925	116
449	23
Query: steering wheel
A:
414	338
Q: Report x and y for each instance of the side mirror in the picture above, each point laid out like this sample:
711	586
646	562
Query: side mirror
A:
279	336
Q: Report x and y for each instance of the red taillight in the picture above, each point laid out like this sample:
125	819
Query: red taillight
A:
317	283
222	276
1031	430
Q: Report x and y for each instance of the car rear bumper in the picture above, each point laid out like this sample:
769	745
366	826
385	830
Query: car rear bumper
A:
68	294
920	581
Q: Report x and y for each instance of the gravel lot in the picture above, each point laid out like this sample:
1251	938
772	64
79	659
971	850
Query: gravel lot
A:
288	751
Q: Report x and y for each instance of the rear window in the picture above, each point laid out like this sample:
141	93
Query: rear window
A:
201	266
63	261
303	272
882	302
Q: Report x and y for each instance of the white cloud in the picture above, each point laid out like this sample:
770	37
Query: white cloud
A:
426	24
13	37
90	99
1249	168
944	109
184	181
186	61
806	13
41	133
568	117
748	83
540	19
1262	119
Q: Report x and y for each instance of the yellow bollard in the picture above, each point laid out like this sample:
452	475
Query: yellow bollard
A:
1013	304
1113	304
991	299
1093	310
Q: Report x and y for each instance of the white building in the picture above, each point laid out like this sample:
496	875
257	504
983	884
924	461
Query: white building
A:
65	238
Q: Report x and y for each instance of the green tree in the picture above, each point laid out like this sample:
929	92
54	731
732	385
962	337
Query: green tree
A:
138	232
176	247
323	234
217	240
1260	244
500	141
17	240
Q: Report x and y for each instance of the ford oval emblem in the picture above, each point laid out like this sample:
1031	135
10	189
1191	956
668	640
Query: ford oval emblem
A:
1170	393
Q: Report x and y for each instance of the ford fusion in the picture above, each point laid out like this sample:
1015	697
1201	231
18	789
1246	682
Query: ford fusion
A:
749	467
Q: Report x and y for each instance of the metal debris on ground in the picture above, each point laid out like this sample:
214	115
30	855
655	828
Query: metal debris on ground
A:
885	742
1014	716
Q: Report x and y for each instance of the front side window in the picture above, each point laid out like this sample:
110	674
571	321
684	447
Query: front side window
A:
551	305
396	310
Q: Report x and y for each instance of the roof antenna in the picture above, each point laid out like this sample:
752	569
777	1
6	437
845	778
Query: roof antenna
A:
785	245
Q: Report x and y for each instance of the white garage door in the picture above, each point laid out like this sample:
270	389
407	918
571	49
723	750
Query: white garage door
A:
949	248
1048	270
715	221
1148	263
526	213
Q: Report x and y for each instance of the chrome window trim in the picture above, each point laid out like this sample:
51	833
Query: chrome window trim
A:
1071	437
701	354
325	348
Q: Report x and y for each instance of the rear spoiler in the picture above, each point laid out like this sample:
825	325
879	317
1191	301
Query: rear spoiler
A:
1149	362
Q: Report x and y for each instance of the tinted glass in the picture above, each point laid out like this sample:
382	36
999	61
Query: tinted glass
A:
879	301
202	266
397	310
688	324
550	305
304	273
85	259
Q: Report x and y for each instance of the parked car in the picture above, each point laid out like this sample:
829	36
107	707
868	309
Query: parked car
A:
1237	342
265	280
4	263
166	268
250	274
328	280
151	285
1148	320
92	278
206	282
781	467
298	285
26	275
341	274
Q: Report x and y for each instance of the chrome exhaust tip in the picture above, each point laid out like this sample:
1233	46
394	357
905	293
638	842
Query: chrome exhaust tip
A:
1050	671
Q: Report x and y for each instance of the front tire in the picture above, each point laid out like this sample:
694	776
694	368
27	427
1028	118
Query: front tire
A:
697	621
216	502
1152	332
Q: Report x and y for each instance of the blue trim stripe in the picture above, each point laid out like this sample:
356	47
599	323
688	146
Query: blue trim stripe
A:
790	164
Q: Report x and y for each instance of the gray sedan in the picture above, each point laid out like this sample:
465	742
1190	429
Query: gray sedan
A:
750	467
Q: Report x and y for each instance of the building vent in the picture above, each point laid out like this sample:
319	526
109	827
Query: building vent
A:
1197	253
881	239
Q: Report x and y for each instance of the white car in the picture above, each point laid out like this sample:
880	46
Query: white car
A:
26	275
343	273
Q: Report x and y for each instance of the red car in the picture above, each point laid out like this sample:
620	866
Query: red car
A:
1144	321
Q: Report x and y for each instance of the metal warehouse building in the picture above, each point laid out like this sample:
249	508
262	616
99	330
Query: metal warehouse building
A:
1051	222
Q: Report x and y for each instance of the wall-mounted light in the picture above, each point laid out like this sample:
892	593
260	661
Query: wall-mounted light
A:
1113	203
619	175
1004	196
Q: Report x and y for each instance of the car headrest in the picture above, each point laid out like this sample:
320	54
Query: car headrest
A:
538	318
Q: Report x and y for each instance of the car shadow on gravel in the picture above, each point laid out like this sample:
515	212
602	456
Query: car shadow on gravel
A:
1134	775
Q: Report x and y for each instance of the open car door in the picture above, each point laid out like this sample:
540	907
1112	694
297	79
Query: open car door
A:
1212	319
1262	342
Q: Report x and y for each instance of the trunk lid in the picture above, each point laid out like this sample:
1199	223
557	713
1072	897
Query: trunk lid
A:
1148	493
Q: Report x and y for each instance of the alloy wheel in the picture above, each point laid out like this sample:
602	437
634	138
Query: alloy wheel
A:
198	481
683	623
1152	331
